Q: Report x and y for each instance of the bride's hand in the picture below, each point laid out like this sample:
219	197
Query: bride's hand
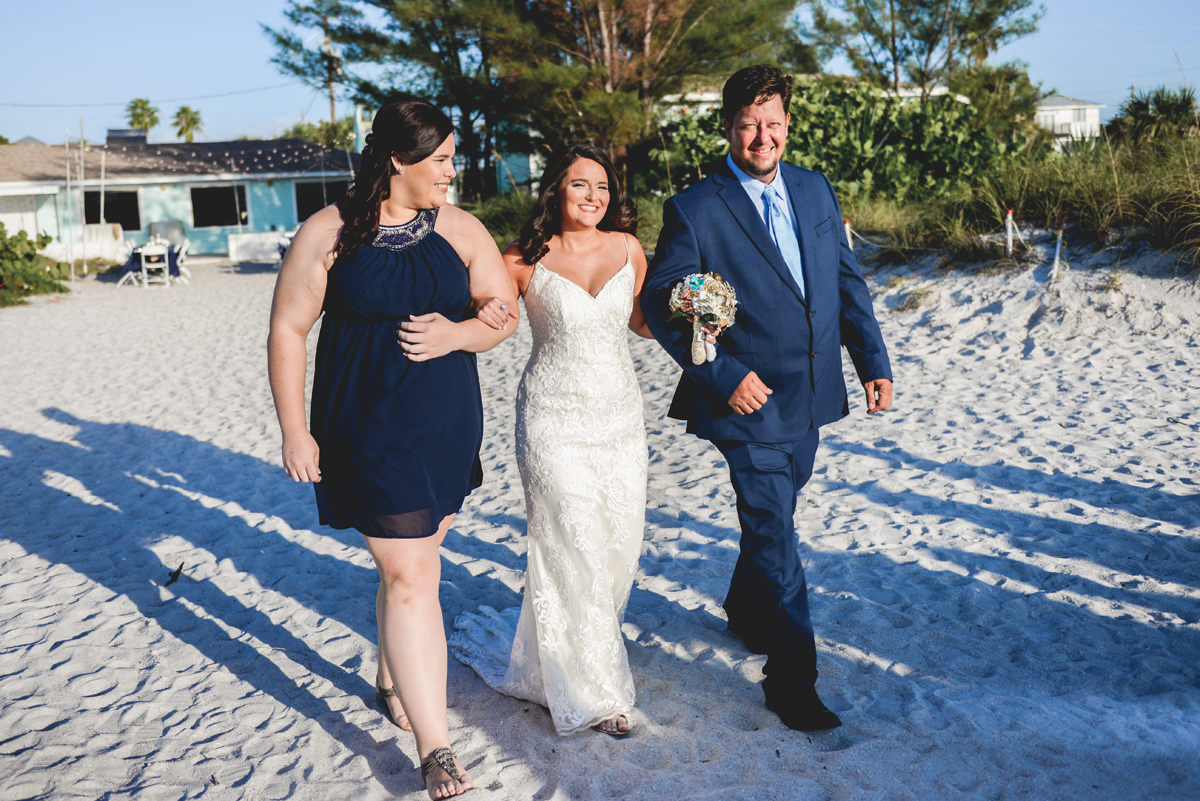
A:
428	336
494	312
710	334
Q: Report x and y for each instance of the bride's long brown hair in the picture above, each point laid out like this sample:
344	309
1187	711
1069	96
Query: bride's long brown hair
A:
546	218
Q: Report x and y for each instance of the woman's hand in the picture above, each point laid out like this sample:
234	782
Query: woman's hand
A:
428	336
710	333
301	457
495	312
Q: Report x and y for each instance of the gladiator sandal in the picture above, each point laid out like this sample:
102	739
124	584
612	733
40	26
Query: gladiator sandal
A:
381	697
441	758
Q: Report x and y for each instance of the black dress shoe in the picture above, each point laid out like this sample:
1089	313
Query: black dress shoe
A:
802	711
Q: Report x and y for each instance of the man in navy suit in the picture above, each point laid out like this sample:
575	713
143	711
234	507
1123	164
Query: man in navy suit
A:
773	232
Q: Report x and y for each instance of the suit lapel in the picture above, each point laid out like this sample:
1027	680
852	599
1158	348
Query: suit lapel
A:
742	209
801	208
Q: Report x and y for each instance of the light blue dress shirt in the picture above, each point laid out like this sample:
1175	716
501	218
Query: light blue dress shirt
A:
754	188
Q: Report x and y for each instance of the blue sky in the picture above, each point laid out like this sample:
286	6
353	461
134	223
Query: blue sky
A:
68	53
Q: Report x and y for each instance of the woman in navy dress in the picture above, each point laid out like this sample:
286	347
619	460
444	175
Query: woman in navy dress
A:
396	419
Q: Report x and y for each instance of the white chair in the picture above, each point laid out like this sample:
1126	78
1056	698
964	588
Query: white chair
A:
156	266
180	258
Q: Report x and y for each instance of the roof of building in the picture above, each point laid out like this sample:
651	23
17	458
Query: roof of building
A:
1062	101
28	140
254	157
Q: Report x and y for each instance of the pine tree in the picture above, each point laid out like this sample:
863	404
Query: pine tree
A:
926	40
445	51
596	71
321	67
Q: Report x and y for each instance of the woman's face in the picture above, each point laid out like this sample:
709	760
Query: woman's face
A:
424	185
583	195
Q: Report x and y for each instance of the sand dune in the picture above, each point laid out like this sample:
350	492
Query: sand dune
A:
1005	570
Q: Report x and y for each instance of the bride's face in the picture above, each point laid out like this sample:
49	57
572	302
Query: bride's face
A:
424	185
583	196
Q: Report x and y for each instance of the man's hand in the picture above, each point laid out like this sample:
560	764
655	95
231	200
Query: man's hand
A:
879	395
751	394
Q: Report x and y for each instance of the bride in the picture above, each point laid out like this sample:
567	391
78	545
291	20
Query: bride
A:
581	452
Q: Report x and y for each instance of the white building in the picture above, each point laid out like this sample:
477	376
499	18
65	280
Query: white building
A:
1068	118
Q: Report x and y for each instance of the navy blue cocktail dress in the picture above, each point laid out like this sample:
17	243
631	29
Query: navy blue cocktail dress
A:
399	439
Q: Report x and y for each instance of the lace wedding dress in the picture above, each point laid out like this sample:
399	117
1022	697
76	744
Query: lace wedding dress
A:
581	452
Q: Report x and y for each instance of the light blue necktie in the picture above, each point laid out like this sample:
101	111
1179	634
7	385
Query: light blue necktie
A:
784	236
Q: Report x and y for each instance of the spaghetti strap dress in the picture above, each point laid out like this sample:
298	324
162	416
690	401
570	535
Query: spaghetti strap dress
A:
399	440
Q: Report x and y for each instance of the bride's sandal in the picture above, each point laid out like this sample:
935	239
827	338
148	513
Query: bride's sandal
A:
615	725
443	758
382	695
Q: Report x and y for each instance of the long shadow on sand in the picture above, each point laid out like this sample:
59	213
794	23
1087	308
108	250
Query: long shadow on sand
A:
1127	550
143	472
1001	629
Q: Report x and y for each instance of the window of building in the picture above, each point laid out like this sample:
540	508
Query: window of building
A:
219	206
311	198
1046	121
119	207
1079	115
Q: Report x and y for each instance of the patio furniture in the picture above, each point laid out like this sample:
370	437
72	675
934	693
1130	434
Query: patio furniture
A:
180	270
156	266
170	230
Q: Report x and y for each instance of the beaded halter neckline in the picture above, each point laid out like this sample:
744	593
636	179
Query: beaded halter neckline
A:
405	235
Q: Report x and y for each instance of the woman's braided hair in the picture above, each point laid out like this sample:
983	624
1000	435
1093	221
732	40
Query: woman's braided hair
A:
410	129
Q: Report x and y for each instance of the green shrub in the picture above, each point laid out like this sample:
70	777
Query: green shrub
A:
870	144
23	271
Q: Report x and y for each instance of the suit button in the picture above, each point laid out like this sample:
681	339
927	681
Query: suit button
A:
813	355
812	314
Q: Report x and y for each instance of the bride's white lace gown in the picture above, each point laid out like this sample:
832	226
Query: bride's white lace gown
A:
581	452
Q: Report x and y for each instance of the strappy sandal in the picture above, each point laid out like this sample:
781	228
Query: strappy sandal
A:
382	695
618	733
441	758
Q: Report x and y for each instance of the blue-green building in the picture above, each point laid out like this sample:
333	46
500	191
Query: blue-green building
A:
213	188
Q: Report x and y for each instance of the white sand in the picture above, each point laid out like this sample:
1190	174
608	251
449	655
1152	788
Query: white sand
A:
1005	571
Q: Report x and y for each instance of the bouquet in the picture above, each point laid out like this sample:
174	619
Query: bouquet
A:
708	302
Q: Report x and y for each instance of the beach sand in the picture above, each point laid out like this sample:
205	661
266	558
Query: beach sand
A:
1004	570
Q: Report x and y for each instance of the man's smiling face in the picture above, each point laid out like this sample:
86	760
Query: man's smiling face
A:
757	136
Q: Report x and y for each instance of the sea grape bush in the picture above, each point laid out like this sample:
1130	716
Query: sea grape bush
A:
870	144
24	271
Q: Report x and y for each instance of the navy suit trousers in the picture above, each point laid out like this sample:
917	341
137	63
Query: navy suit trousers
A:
767	604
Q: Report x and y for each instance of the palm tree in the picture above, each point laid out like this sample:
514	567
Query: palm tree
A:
1160	113
141	115
187	123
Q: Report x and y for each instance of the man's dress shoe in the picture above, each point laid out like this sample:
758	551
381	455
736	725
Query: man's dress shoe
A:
802	710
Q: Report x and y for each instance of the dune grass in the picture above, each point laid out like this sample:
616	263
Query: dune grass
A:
1106	193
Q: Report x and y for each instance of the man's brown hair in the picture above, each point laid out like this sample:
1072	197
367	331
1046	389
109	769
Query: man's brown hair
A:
752	85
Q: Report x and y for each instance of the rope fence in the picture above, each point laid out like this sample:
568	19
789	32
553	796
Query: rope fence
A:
1009	229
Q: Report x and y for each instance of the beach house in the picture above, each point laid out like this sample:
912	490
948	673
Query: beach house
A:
215	190
1068	118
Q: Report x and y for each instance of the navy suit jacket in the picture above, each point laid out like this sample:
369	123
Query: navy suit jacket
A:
793	344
